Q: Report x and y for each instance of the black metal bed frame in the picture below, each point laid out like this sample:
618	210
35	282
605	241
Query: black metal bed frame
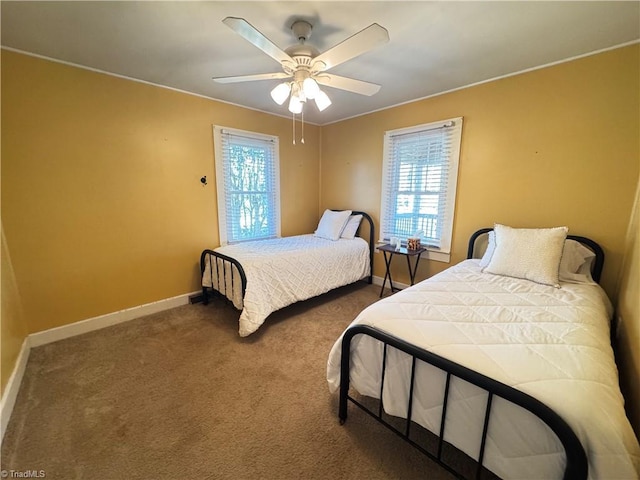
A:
576	467
225	266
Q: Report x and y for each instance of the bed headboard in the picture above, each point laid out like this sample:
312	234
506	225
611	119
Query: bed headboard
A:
370	240
479	240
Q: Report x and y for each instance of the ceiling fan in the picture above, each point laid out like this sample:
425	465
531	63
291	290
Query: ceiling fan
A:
304	67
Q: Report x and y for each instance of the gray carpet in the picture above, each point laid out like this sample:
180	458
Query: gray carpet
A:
180	395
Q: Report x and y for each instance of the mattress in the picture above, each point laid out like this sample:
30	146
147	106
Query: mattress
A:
551	343
286	270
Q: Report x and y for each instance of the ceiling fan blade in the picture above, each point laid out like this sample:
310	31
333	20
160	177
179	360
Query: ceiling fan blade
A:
251	78
372	36
250	33
349	84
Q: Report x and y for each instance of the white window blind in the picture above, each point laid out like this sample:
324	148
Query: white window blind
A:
248	183
420	171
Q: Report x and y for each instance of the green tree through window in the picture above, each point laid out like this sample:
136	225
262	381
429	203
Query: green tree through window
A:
248	191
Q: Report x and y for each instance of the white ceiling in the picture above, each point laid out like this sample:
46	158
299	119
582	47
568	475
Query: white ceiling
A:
434	46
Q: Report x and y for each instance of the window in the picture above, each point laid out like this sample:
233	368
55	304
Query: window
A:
420	171
248	183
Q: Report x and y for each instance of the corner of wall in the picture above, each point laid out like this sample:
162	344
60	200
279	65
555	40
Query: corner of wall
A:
627	318
13	336
14	329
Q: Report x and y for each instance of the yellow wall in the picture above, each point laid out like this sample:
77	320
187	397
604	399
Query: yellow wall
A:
556	146
13	328
628	314
102	203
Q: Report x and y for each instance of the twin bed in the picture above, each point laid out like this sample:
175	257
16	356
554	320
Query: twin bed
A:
263	276
509	361
517	374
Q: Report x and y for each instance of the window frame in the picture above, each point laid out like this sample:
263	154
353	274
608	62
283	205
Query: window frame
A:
443	252
220	164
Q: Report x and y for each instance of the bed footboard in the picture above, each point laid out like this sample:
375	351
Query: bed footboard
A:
576	461
223	280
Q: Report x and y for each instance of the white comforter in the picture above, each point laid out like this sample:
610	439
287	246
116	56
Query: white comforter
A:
283	271
552	343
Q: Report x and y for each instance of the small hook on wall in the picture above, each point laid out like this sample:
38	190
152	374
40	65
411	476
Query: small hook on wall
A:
203	180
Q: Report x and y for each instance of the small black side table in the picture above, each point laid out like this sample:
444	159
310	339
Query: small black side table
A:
391	250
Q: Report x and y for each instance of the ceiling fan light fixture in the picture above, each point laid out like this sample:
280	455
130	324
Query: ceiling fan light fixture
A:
310	88
322	100
298	91
295	105
281	92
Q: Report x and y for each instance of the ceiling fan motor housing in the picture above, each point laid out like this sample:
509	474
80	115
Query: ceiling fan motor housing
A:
302	53
301	30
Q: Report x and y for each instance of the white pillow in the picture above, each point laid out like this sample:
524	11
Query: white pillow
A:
332	223
530	253
582	276
575	266
351	227
573	256
491	247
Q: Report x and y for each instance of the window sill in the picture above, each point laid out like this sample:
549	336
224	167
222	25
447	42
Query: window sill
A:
437	256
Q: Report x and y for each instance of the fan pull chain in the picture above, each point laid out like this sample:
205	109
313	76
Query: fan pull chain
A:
293	116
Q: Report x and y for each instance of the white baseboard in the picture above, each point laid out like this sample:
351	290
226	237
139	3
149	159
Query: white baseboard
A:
103	321
13	386
378	281
66	331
